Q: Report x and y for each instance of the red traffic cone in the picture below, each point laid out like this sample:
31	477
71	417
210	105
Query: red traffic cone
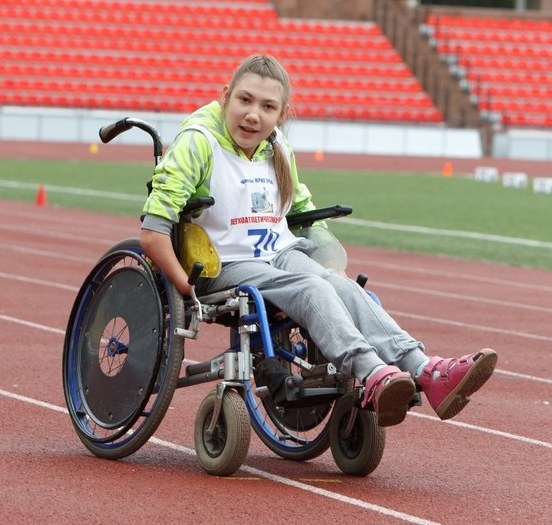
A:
41	199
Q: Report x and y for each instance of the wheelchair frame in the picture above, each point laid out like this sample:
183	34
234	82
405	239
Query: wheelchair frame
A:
124	348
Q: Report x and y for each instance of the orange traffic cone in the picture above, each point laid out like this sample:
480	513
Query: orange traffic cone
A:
41	199
448	171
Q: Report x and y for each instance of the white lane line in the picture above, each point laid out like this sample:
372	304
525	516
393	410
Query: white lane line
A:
35	402
517	241
68	190
302	486
30	324
424	291
411	289
498	433
75	217
527	377
455	277
460	424
38	282
309	488
50	254
461	297
37	326
339	497
56	234
470	326
408	518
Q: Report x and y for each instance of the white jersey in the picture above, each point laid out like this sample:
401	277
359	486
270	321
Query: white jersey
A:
245	222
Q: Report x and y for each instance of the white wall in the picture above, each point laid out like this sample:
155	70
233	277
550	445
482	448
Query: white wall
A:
380	139
69	125
526	144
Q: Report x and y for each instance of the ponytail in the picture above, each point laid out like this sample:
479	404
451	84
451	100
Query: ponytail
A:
283	172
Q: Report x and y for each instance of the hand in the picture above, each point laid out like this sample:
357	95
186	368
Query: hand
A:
185	289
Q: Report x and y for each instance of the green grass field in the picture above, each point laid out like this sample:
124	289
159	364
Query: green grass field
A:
454	216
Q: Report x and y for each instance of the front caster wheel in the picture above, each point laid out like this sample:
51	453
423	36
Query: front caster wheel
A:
357	445
224	450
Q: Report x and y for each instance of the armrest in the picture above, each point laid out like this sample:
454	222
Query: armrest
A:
196	204
307	218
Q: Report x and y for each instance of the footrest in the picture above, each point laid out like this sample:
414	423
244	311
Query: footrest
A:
297	398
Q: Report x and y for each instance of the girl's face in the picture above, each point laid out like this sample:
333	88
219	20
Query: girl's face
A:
252	110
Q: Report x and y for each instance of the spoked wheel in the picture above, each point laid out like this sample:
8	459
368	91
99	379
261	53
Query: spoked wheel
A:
299	433
121	359
357	446
222	451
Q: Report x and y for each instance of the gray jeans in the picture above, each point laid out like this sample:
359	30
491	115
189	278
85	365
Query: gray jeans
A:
346	324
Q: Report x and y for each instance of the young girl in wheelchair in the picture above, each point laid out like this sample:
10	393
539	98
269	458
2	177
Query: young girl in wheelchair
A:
233	150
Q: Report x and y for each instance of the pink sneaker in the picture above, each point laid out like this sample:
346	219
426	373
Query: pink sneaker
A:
448	383
389	392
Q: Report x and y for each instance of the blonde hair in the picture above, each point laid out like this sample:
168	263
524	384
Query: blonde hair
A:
267	66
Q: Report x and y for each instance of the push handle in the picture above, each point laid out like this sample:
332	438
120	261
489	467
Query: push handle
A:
110	131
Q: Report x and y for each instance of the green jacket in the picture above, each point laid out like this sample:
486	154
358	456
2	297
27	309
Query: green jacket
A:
185	170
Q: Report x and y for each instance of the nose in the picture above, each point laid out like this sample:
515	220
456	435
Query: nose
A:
253	114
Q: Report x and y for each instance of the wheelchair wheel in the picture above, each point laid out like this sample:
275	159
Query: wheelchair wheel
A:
223	451
121	359
298	433
357	449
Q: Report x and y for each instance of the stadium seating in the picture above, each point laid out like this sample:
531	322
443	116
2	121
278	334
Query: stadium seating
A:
173	56
506	63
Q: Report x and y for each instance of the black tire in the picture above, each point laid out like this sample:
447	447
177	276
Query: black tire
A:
224	451
121	358
359	452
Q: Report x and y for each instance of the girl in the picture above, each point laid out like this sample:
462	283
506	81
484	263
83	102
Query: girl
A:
233	149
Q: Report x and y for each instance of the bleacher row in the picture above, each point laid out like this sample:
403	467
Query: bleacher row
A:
173	57
507	64
163	55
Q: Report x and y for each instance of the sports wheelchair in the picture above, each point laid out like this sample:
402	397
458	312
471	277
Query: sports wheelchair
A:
123	359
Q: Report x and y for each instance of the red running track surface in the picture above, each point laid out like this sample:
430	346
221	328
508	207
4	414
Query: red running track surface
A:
491	464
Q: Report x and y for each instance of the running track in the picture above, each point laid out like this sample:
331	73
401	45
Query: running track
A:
492	464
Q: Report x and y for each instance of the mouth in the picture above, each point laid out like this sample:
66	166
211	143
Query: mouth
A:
247	130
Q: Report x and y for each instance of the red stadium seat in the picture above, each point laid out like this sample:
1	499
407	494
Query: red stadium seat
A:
169	57
506	59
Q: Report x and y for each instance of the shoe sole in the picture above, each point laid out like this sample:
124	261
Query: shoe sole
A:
479	374
394	401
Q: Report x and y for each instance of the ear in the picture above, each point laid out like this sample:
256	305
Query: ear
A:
224	95
283	115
